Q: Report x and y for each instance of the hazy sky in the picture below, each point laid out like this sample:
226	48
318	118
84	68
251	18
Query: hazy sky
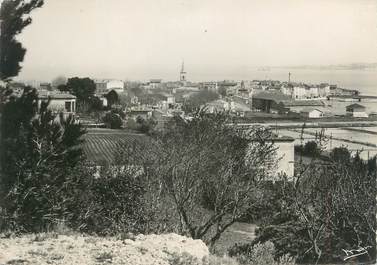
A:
142	39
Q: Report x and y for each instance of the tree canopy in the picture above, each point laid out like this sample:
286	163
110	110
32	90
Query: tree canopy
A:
209	171
14	17
82	88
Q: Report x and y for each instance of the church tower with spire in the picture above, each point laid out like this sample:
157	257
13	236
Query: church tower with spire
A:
182	74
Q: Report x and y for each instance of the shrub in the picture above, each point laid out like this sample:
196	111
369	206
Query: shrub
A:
262	254
311	149
113	203
113	120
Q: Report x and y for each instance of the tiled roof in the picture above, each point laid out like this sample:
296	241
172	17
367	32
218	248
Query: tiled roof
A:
54	95
355	106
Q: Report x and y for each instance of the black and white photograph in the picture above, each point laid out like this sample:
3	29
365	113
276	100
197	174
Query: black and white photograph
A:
188	132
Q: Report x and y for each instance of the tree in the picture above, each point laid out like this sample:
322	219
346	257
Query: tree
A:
39	149
14	17
328	207
82	88
145	126
311	149
208	170
113	120
340	155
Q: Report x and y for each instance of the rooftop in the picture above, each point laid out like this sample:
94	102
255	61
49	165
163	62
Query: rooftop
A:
355	106
54	95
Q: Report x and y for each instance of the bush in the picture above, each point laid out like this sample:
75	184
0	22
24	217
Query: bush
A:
145	126
111	204
262	254
113	120
309	149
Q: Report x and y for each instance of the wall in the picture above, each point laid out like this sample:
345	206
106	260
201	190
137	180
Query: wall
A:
285	151
59	104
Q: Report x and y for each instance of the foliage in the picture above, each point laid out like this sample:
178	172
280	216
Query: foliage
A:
195	102
111	203
82	88
340	155
310	149
113	120
95	104
330	206
207	169
145	125
38	149
14	17
263	254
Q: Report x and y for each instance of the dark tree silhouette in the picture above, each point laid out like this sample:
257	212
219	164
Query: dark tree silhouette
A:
39	147
14	17
82	88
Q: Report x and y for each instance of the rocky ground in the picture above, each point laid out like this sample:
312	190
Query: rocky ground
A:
76	249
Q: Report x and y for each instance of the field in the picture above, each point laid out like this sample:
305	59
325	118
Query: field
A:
100	145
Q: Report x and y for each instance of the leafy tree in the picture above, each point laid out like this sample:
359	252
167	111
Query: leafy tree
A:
39	149
340	155
113	203
14	17
328	207
63	88
311	149
95	104
82	88
209	171
145	126
113	120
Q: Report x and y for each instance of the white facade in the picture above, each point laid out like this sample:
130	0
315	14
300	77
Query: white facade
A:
105	86
313	92
285	152
299	92
357	114
314	113
65	103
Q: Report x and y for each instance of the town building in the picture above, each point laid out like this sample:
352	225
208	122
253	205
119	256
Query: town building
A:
58	102
210	86
356	110
311	113
105	86
153	84
142	113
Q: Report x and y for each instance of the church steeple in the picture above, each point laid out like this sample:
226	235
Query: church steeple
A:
182	74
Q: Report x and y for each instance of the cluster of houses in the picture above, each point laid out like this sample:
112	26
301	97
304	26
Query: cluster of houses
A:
240	98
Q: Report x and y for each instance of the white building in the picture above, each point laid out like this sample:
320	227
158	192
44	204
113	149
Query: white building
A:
311	113
59	102
356	110
299	92
105	86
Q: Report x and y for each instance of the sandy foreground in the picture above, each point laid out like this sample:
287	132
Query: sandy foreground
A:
142	250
